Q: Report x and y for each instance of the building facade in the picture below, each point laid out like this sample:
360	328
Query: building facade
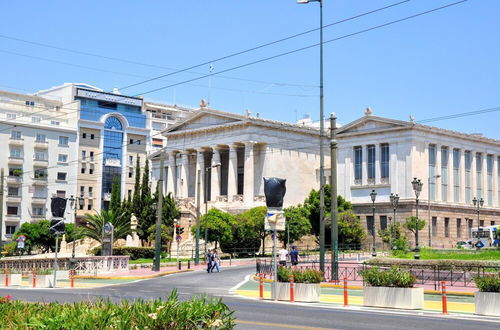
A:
385	155
39	138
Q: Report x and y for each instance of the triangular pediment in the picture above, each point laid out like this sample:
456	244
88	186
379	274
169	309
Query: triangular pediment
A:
372	124
206	118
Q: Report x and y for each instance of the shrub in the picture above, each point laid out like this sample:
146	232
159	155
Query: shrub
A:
133	252
488	283
197	313
308	276
392	277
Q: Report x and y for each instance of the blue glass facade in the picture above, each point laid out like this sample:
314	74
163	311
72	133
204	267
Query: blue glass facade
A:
112	155
95	109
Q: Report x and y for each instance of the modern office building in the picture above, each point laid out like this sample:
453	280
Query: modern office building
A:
113	132
39	141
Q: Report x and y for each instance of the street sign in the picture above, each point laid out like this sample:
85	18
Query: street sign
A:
275	220
21	238
178	238
57	226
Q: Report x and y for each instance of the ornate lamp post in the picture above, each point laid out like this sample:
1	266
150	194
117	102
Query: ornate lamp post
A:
394	202
478	204
73	201
373	196
417	188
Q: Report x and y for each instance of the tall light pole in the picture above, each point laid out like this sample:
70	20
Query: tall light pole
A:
321	134
73	205
394	202
206	200
478	203
429	224
373	196
334	212
417	188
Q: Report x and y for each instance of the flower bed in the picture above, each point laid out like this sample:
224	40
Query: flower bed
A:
307	284
487	300
197	313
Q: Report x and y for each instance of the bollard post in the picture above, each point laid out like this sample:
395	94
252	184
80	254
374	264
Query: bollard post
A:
346	302
7	277
189	264
72	277
34	278
180	265
292	289
445	302
357	257
261	286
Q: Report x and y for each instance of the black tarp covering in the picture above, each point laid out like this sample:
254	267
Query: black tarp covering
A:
57	207
274	189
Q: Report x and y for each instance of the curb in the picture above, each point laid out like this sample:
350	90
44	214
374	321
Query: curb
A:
140	277
357	287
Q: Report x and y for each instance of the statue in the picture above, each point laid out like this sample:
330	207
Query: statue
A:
133	240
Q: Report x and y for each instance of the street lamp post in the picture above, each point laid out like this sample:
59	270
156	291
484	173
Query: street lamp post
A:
206	200
373	196
429	224
321	136
394	202
417	188
478	203
73	204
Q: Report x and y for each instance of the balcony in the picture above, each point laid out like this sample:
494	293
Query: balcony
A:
12	179
16	142
40	181
40	163
39	200
41	144
38	217
15	161
14	198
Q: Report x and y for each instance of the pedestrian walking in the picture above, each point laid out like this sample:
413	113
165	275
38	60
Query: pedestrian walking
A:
209	261
283	253
294	256
215	261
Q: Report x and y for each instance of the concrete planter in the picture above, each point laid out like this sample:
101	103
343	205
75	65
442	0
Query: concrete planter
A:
42	281
404	298
487	303
14	279
303	292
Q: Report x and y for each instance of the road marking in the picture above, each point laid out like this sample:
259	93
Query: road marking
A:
280	325
234	288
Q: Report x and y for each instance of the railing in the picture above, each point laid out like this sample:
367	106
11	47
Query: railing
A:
430	275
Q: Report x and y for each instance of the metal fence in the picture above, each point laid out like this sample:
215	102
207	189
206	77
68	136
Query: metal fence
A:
431	275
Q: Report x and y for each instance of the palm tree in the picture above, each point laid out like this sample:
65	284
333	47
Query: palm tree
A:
93	227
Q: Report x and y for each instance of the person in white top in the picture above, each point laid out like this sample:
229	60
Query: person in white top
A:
283	253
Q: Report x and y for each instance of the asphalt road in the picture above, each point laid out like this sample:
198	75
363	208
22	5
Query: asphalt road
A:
253	314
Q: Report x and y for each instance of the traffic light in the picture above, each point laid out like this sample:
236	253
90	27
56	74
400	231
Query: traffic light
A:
177	229
181	230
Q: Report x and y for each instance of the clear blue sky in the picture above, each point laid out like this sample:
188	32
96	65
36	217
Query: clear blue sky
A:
442	63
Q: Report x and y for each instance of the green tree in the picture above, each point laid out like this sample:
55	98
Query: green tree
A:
166	234
351	232
115	202
255	219
39	238
136	200
395	229
146	216
412	223
94	224
297	224
219	226
244	242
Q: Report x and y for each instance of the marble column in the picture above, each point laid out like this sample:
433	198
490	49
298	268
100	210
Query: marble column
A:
364	166
378	174
200	168
484	178
215	183
438	171
462	177
248	176
451	177
171	174
496	202
184	175
473	173
232	173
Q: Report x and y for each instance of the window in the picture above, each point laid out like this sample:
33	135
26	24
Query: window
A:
11	116
91	169
41	138
492	223
89	206
10	230
63	141
15	135
54	122
468	177
456	175
61	176
489	179
12	210
81	205
370	224
84	135
129	193
61	193
358	163
62	158
481	223
138	142
131	141
82	191
479	175
131	160
157	126
15	171
13	191
30	103
432	171
35	119
91	136
383	222
446	227
459	227
371	162
434	226
470	222
40	192
38	211
91	192
15	153
444	174
84	155
40	174
91	156
84	168
107	105
41	156
384	160
130	172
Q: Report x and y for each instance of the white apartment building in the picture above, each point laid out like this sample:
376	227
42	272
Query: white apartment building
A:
39	140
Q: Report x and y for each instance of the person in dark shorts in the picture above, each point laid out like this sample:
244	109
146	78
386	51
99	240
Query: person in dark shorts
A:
294	256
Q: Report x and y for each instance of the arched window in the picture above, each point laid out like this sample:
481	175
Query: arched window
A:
113	123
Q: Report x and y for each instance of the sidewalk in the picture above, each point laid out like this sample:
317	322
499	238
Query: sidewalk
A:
329	295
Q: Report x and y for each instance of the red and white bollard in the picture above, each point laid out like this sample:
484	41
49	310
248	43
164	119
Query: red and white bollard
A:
7	277
261	286
34	278
445	303
292	289
72	277
346	302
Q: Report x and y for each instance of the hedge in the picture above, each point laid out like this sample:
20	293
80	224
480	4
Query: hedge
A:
441	263
133	252
300	275
488	283
392	277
